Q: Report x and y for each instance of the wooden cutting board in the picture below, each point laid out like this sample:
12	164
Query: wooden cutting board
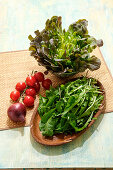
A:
15	66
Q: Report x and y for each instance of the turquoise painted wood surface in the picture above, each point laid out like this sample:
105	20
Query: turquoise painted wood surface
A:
20	18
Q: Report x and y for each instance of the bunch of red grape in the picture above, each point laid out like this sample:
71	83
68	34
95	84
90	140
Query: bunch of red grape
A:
29	88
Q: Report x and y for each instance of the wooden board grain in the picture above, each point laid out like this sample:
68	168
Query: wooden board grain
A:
15	66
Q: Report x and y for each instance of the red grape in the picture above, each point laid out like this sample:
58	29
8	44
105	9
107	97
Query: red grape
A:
46	84
49	81
28	101
20	86
39	76
15	95
30	80
37	86
31	92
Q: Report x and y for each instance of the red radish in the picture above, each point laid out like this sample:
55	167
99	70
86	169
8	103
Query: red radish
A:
37	86
28	101
31	92
39	76
46	84
30	81
17	112
15	95
20	86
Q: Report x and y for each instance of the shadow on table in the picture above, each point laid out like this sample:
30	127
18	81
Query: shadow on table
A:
20	129
62	149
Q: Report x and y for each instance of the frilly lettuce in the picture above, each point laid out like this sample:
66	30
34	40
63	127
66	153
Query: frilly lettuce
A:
64	52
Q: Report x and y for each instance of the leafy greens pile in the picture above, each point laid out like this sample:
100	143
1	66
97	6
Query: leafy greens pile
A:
65	52
70	107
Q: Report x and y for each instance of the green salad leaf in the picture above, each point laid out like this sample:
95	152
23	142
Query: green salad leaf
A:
64	52
69	107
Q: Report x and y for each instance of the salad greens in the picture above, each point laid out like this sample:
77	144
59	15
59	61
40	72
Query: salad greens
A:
65	52
69	107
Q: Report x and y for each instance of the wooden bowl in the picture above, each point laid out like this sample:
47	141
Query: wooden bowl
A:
60	139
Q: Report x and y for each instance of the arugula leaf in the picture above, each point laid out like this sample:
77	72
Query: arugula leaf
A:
47	115
42	105
60	106
48	127
78	129
69	107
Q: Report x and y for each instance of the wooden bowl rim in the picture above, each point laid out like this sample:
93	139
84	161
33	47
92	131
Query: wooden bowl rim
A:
75	135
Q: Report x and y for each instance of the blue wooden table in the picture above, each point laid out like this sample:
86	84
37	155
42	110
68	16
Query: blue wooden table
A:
20	18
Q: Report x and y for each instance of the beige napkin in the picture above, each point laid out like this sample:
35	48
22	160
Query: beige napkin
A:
15	66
